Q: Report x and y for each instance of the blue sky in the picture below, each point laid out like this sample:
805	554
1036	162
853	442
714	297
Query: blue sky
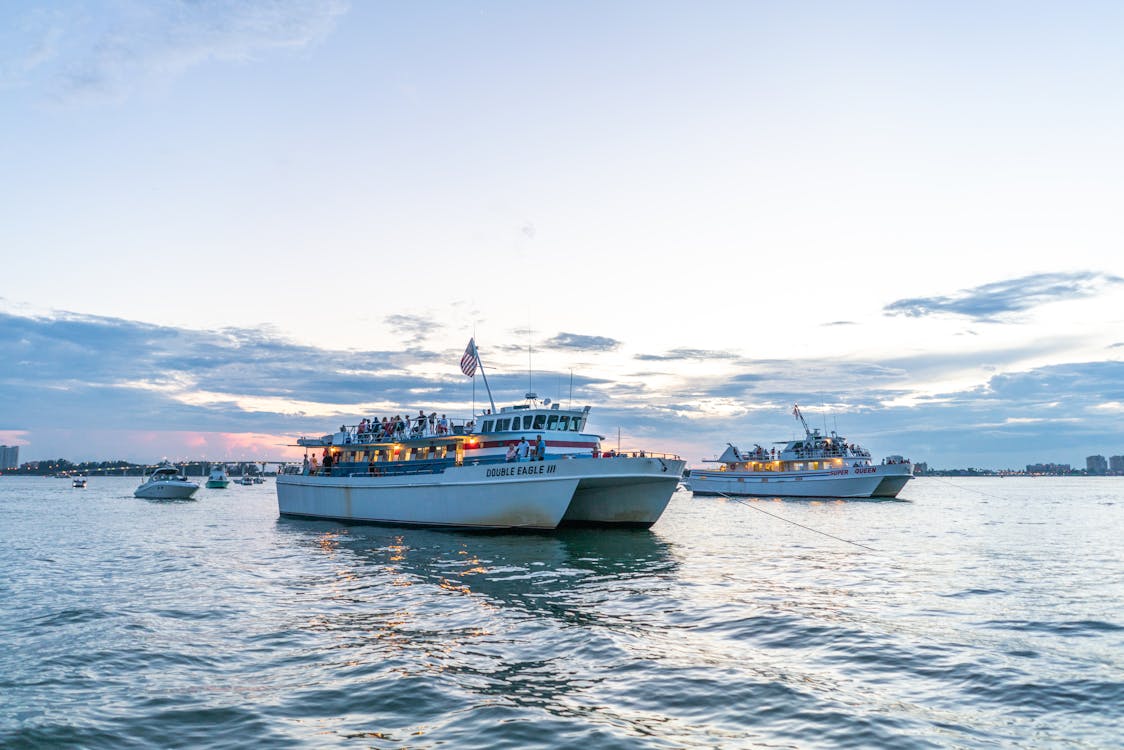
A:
227	223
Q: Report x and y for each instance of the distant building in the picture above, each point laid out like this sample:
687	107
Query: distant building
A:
9	457
920	467
1116	464
1096	465
1048	469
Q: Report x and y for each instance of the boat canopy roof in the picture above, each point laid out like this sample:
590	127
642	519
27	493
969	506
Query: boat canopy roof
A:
165	472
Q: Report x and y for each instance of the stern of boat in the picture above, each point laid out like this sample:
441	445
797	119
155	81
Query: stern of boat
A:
894	479
623	492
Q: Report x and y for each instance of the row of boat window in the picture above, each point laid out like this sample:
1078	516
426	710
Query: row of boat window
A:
382	455
534	422
787	466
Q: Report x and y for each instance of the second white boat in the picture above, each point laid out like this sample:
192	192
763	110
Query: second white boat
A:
817	466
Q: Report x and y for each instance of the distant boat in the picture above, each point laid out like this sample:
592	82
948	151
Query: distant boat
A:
246	480
218	480
79	482
166	483
816	466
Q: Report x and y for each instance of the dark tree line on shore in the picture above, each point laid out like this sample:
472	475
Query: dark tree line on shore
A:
61	466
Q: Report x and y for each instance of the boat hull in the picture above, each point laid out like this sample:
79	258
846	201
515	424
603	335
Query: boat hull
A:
525	495
884	481
633	492
217	484
166	491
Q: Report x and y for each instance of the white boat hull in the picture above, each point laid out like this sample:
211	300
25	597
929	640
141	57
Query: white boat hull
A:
523	495
630	492
886	480
166	491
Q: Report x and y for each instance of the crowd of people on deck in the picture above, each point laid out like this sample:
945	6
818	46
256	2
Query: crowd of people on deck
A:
401	427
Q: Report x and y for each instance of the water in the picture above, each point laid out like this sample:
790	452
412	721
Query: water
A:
990	615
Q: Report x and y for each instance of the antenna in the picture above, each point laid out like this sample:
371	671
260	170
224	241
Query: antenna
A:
570	400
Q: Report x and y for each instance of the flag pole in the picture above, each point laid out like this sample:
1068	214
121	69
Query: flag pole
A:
476	351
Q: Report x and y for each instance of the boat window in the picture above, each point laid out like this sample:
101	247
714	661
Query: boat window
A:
576	425
564	423
526	421
487	426
552	423
503	425
540	421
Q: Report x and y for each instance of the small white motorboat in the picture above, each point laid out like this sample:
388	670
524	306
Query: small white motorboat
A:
79	482
166	483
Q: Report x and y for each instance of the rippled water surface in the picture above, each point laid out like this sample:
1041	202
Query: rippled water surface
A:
990	613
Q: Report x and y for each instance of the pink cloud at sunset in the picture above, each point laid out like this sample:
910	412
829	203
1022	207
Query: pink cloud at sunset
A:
151	445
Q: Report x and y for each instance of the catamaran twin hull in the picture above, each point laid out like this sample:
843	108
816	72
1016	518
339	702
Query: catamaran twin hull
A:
883	481
631	492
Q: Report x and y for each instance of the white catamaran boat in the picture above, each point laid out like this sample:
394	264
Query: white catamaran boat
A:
817	466
427	471
166	483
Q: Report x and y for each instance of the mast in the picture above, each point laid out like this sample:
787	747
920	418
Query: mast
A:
796	413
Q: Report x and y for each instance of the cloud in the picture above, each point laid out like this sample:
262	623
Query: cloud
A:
109	52
65	377
991	302
108	372
581	342
27	45
681	354
415	327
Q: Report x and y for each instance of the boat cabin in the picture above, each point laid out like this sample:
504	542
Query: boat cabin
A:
524	418
422	445
816	452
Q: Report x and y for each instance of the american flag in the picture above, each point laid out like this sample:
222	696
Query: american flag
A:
469	360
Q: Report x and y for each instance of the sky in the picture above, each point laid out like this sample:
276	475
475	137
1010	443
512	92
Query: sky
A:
225	224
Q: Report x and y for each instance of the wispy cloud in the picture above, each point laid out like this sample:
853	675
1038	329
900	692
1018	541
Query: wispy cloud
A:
581	342
416	328
992	302
123	44
682	354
